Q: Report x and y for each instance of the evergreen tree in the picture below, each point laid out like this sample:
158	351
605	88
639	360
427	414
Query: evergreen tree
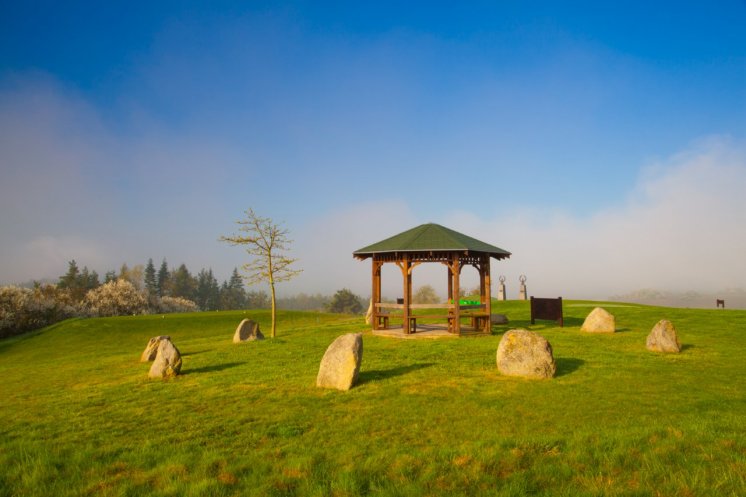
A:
163	280
344	301
151	283
87	280
110	276
78	282
233	293
69	279
224	297
207	295
183	284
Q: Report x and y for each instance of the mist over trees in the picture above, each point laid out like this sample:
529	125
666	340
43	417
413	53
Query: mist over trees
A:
143	289
203	288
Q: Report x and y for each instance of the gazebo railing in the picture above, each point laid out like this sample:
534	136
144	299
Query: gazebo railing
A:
445	305
475	312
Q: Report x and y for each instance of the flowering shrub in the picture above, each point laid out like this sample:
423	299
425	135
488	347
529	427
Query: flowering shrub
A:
174	304
115	298
23	309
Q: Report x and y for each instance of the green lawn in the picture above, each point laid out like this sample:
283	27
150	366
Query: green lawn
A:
78	415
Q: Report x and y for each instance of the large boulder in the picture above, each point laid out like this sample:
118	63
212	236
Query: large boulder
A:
663	338
526	354
599	321
151	350
167	362
247	331
341	362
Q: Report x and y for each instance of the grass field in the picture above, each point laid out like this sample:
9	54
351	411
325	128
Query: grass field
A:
78	415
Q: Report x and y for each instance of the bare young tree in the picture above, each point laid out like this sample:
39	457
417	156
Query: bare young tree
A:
265	241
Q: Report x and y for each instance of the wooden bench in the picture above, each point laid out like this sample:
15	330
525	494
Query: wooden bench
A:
550	309
413	320
481	321
383	320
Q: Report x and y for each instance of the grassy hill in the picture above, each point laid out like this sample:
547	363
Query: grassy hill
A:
78	415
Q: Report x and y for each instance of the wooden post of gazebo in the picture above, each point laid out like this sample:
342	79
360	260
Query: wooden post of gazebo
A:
406	292
432	243
456	269
486	290
375	294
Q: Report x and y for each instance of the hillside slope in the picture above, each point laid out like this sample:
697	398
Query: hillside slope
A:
80	417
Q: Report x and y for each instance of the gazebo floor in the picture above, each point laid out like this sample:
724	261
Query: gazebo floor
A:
429	331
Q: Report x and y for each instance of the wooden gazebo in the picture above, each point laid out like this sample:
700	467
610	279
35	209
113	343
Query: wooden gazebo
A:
432	243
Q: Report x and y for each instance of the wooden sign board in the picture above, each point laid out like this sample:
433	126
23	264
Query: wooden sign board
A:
549	309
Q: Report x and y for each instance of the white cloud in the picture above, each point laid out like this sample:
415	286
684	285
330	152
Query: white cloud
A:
680	229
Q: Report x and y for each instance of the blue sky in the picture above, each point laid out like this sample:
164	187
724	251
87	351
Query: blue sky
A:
549	129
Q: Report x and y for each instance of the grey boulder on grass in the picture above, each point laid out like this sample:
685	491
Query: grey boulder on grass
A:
167	362
599	321
151	349
247	331
526	354
663	338
341	362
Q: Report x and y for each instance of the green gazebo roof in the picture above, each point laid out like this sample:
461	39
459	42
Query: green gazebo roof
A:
431	238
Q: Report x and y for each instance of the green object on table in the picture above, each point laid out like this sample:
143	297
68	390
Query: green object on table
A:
468	302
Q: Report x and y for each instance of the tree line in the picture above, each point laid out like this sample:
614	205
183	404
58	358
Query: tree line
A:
145	289
202	288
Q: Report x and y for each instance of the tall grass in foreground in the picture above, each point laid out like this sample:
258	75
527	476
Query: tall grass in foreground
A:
78	415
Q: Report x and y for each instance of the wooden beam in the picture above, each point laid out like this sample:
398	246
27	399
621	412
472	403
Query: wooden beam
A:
488	293
456	293
450	284
376	291
484	291
404	265
413	265
374	287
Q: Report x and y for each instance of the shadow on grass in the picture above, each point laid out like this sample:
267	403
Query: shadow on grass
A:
567	365
540	324
547	323
573	322
187	354
686	346
213	368
382	374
